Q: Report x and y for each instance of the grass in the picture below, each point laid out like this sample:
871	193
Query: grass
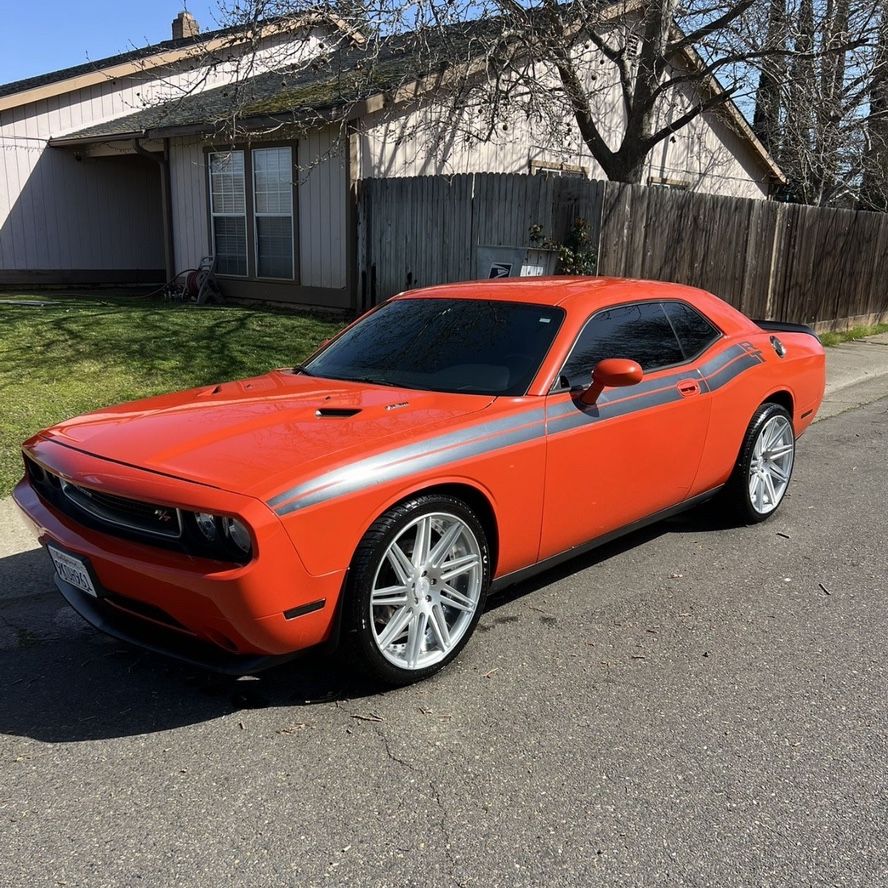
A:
830	339
72	355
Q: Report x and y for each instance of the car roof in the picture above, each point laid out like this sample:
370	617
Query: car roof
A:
564	290
583	296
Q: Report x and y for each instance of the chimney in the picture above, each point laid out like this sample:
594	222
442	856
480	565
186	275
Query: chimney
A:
185	25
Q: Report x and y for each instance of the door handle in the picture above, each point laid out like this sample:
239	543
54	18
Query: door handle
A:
688	387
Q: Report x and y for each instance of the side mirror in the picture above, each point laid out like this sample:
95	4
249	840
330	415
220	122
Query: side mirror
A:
611	373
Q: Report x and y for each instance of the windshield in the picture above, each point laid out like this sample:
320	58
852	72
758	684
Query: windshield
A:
476	346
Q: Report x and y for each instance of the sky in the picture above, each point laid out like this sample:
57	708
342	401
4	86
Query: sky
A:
38	36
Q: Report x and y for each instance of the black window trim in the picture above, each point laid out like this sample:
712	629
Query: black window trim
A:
557	388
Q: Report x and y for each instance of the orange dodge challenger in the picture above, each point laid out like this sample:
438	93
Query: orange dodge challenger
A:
452	439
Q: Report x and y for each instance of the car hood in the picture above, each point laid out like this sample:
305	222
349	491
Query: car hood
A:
258	435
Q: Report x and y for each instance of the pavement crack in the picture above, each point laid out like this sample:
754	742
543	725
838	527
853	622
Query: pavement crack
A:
445	832
378	728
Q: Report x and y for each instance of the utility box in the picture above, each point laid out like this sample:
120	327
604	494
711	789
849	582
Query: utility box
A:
504	262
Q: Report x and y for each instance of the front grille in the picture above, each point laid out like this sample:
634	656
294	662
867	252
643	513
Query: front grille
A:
158	525
107	512
130	514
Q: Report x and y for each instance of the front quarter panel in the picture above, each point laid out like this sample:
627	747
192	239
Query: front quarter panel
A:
505	465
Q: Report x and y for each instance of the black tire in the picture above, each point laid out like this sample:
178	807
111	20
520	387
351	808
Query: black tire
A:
362	574
736	498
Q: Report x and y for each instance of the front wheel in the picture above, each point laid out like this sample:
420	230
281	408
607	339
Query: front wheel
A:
764	466
417	587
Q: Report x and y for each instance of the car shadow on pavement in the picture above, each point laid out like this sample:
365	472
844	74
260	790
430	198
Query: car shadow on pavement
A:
62	681
706	518
94	687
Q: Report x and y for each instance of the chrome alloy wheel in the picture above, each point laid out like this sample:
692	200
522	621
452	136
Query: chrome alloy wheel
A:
771	465
426	590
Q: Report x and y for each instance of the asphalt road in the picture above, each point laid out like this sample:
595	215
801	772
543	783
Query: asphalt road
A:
698	705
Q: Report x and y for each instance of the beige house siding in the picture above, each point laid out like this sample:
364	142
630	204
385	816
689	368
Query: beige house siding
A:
322	199
58	212
705	156
188	186
61	214
320	208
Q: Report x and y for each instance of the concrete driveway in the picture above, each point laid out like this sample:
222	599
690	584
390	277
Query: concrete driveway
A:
697	705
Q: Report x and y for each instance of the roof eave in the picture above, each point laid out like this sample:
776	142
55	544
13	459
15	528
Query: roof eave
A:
256	123
744	130
165	57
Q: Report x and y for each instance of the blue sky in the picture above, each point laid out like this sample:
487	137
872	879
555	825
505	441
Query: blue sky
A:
44	35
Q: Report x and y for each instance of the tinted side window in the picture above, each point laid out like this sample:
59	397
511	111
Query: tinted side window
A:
694	332
639	332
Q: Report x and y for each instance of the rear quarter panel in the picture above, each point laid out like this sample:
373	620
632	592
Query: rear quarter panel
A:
801	374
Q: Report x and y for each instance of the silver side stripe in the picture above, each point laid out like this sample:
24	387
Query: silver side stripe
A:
403	461
722	358
604	411
732	370
520	428
611	404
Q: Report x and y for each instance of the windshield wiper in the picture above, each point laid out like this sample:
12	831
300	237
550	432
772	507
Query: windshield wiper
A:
299	368
370	380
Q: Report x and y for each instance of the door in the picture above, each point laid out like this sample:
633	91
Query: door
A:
637	450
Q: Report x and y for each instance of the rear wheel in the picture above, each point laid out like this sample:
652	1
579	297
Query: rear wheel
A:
764	466
417	587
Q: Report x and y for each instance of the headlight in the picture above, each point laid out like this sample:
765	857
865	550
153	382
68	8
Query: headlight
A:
206	524
237	532
217	536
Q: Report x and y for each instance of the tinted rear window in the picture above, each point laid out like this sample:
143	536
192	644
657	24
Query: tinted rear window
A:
694	332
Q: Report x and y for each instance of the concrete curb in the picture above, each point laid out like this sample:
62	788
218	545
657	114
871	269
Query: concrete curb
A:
851	363
856	374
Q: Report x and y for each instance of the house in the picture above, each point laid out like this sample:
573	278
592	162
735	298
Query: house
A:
122	170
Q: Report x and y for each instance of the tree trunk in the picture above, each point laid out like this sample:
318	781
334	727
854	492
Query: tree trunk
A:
766	122
874	192
829	108
797	144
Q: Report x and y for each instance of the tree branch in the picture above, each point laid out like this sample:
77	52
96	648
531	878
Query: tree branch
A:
700	108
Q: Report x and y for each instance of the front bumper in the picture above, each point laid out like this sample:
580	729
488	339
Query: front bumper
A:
222	616
114	620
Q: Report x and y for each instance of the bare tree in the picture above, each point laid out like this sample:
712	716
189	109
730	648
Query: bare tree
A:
874	191
772	77
815	111
617	77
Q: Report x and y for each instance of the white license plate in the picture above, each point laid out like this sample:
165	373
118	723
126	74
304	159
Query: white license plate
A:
73	570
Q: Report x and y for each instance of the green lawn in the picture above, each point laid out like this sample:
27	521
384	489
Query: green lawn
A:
830	339
77	354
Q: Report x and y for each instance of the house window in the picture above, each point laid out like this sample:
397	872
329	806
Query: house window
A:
228	210
273	212
663	182
252	212
555	168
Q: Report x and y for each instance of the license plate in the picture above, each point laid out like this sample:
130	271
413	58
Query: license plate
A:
73	570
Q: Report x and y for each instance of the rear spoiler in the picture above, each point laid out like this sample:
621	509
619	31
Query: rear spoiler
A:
783	327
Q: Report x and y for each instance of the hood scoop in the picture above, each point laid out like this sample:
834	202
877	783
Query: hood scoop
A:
336	412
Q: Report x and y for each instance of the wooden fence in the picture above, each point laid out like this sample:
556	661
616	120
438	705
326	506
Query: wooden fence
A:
786	262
